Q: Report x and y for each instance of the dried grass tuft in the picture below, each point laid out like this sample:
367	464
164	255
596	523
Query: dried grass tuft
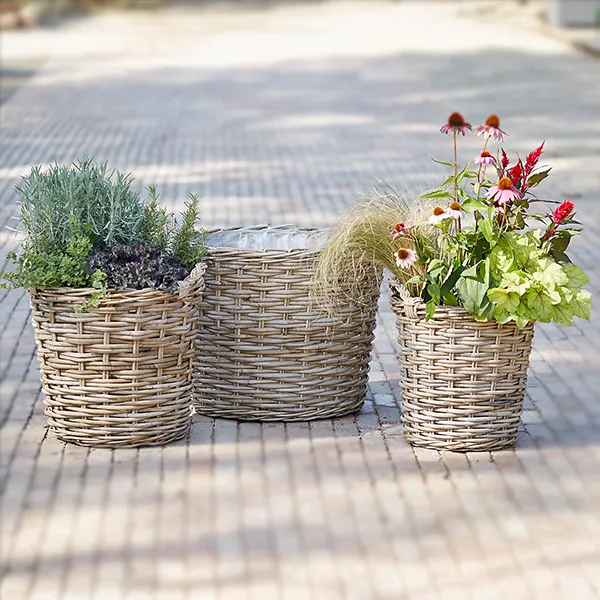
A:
362	244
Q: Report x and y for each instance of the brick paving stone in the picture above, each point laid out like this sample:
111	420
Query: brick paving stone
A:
280	115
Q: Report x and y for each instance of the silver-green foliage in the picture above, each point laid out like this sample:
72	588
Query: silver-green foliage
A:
68	200
71	213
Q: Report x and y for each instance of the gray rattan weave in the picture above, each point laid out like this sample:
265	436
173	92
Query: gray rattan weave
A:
264	352
117	375
462	381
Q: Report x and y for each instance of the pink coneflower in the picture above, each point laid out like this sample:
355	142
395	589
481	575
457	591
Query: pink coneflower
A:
491	128
504	192
438	215
485	158
455	211
400	229
456	123
405	257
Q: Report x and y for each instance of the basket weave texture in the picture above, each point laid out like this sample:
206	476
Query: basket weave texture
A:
462	381
265	352
119	374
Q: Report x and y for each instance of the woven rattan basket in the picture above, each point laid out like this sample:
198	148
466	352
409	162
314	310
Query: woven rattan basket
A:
462	381
264	352
117	375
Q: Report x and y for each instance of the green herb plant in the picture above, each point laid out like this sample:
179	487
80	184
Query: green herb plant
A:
161	230
71	213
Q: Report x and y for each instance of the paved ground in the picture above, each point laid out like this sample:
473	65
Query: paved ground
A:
277	114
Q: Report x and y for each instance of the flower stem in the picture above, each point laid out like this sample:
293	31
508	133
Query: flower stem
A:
480	179
455	169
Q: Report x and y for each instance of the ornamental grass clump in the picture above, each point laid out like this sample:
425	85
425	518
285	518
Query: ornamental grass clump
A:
477	246
84	226
366	240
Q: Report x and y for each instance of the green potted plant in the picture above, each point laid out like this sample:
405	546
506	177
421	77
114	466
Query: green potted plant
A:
113	281
471	274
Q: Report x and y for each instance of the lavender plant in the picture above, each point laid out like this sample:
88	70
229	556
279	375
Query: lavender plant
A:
84	226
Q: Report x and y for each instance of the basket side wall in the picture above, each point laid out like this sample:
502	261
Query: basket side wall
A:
463	382
119	374
265	352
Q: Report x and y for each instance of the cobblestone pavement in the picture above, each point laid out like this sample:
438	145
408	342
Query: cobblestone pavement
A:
277	114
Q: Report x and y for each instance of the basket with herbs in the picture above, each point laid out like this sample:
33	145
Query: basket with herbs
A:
113	281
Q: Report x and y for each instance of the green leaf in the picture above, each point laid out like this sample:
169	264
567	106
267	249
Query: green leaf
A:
540	305
434	292
537	178
502	316
516	282
451	277
575	276
487	228
560	242
441	162
525	248
414	280
465	173
521	321
450	299
549	273
487	314
582	304
436	269
470	205
502	257
436	194
429	309
505	301
472	288
560	256
563	314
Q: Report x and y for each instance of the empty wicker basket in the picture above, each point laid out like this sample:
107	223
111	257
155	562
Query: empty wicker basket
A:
120	374
462	381
264	352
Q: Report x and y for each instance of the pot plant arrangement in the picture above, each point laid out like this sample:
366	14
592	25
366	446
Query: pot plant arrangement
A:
473	268
113	280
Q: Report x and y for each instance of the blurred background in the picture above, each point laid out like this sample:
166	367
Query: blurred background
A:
280	108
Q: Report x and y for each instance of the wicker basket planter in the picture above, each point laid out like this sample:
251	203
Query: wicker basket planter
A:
120	374
264	352
462	381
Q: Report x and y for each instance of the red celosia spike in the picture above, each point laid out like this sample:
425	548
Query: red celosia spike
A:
516	172
563	211
505	160
532	159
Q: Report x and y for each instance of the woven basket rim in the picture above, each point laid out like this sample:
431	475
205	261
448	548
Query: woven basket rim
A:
115	294
417	301
88	290
271	253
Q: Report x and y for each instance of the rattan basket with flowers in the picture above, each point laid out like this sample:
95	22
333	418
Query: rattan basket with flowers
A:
473	268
